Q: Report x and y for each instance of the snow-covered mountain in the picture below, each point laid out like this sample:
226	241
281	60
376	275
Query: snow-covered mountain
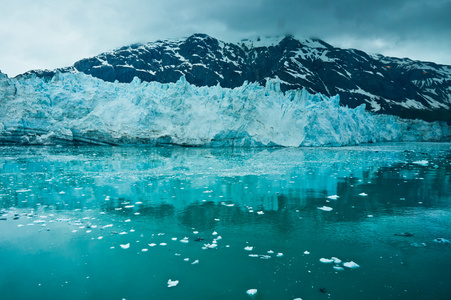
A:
78	108
387	85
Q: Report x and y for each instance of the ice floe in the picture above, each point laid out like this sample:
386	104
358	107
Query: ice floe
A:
325	208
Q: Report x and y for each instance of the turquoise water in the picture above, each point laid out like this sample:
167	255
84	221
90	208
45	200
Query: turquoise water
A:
118	223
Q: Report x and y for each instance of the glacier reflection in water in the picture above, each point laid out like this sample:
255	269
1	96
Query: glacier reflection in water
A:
118	222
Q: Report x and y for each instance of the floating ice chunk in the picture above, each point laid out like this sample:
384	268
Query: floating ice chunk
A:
251	292
195	262
326	260
442	241
336	260
248	248
125	246
418	245
424	163
333	197
325	208
306	252
210	246
351	265
363	194
172	283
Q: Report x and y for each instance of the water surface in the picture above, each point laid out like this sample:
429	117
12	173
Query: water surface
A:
118	223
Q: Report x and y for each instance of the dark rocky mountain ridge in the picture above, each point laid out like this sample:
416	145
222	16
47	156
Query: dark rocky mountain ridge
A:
388	85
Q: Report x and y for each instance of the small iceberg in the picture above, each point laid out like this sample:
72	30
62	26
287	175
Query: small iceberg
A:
325	208
424	163
126	246
172	283
351	265
442	241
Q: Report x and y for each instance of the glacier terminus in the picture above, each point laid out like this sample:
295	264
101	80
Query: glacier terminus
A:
75	108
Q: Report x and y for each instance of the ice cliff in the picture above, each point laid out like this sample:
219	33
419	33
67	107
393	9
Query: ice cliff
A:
77	108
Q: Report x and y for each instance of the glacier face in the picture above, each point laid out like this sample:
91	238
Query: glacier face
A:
77	108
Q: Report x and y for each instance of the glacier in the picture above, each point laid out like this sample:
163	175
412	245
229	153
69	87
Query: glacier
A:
74	108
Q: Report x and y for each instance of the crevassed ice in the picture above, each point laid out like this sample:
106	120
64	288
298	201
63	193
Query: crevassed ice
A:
79	108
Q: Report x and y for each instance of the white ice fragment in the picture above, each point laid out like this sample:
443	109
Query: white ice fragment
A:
251	292
424	163
125	246
326	260
442	241
333	197
336	260
248	248
172	283
351	265
325	208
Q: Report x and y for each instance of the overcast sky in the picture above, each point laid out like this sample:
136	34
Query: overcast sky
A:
47	34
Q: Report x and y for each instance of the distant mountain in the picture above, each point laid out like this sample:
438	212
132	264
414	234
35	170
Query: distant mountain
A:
387	85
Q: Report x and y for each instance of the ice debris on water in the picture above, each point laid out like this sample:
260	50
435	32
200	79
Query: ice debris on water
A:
125	246
424	163
351	265
251	292
442	241
325	208
172	283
